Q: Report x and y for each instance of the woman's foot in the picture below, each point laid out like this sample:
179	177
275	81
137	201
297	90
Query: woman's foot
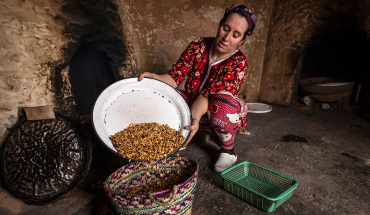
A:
210	142
226	159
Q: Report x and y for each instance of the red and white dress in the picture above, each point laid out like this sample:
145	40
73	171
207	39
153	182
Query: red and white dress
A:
220	82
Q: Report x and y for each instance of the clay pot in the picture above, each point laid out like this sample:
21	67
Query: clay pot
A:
309	86
330	98
326	89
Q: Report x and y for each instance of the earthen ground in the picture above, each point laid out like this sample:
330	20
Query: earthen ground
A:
327	153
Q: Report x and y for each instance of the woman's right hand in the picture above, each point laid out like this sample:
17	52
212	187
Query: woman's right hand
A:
147	75
193	129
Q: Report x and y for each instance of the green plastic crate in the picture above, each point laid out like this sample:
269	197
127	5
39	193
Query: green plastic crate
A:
258	185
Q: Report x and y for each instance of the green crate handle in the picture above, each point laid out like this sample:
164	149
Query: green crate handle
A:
294	186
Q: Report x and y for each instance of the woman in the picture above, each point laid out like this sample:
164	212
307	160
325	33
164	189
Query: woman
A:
214	69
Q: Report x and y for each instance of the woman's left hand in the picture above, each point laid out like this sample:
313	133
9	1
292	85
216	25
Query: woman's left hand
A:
193	129
146	74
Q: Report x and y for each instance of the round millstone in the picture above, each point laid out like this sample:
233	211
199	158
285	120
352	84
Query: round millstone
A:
44	159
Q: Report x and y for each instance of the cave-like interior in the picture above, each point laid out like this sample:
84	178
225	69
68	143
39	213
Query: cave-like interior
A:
342	55
64	53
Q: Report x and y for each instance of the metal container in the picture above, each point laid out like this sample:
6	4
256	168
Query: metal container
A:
132	101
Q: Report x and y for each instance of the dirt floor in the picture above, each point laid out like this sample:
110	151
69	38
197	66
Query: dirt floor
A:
327	153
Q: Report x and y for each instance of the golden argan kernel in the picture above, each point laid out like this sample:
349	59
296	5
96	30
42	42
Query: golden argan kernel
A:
147	141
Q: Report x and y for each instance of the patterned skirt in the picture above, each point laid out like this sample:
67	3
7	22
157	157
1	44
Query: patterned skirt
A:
205	125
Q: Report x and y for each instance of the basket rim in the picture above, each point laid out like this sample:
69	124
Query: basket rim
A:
156	193
282	195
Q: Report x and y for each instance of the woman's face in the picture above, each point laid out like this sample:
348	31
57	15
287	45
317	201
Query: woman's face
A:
230	34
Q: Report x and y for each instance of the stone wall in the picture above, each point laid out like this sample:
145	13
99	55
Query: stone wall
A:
39	37
27	45
294	26
161	30
37	40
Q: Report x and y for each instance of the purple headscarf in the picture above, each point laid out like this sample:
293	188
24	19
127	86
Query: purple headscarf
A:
244	11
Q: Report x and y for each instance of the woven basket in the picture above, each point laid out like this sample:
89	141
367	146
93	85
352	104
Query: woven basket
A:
177	200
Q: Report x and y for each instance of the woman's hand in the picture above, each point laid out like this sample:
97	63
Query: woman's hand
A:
197	110
166	78
146	74
193	129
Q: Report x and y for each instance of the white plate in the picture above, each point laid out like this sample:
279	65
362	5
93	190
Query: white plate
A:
258	108
132	101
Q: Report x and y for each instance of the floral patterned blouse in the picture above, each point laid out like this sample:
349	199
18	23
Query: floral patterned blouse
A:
227	74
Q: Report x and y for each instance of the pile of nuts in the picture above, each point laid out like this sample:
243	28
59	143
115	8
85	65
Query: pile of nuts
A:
147	141
163	184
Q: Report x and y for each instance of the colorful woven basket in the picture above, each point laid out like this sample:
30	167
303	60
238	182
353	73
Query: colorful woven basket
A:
177	200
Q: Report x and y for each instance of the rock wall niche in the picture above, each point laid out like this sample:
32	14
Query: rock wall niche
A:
295	26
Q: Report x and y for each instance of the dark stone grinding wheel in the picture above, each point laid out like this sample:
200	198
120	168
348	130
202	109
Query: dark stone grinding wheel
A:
45	160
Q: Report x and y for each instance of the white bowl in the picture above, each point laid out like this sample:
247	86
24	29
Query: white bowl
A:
131	101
